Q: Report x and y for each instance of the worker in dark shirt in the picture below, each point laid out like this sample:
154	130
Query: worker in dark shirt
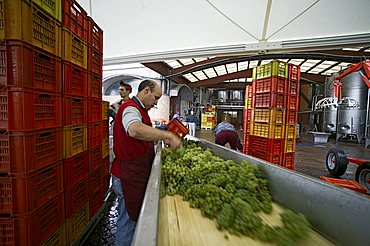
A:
192	121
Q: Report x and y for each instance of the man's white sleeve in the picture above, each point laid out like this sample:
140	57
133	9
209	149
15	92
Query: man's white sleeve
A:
129	116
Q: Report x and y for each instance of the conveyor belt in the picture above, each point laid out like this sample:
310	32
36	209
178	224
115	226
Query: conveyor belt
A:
338	213
182	226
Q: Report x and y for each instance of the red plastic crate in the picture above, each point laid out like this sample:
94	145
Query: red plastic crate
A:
245	143
94	85
75	169
57	238
247	115
247	127
96	201
288	160
94	61
36	227
95	35
273	84
294	72
105	166
28	109
75	18
273	158
94	110
25	151
75	110
106	183
76	197
291	116
94	134
74	80
349	184
267	145
95	179
269	100
21	194
105	128
177	127
95	157
24	65
292	102
293	87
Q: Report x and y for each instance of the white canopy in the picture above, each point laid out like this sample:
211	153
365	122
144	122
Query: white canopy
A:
156	30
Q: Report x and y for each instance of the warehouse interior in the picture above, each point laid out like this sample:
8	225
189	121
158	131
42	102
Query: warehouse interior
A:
210	57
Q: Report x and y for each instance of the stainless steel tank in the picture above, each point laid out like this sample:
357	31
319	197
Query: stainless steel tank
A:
329	85
328	108
353	107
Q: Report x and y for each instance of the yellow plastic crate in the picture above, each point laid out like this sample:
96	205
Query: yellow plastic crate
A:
53	7
74	48
267	130
105	108
248	103
27	22
76	224
58	238
268	115
291	131
74	139
274	68
105	147
289	145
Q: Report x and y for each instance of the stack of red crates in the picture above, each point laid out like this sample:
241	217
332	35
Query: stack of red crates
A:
52	156
32	207
85	164
271	128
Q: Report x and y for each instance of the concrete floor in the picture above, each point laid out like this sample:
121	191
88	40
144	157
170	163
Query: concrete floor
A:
309	160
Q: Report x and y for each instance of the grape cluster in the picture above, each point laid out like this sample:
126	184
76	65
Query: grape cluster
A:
229	193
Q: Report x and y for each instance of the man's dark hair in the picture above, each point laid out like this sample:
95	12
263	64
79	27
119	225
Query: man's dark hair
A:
127	86
147	82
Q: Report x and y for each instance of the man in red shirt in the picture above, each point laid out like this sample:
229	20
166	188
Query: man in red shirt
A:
133	148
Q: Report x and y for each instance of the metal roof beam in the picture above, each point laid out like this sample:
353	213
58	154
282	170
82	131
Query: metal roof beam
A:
220	79
163	69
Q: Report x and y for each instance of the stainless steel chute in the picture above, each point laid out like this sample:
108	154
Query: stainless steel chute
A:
340	214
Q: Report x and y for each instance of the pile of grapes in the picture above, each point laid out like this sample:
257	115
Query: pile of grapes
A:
230	194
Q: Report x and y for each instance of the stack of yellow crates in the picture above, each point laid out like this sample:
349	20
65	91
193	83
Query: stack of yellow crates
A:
209	118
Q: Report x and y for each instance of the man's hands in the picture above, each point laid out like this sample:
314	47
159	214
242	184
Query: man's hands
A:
172	140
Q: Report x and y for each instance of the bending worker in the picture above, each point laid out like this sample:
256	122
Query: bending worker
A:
133	148
225	133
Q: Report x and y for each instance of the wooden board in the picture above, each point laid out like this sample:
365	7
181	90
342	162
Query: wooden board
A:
181	225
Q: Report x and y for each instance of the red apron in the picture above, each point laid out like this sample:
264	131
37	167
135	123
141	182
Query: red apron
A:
134	179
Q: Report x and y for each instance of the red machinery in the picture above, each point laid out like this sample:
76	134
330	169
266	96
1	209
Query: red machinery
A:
337	161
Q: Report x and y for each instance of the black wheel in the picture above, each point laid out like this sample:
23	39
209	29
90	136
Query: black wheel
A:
363	175
336	162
